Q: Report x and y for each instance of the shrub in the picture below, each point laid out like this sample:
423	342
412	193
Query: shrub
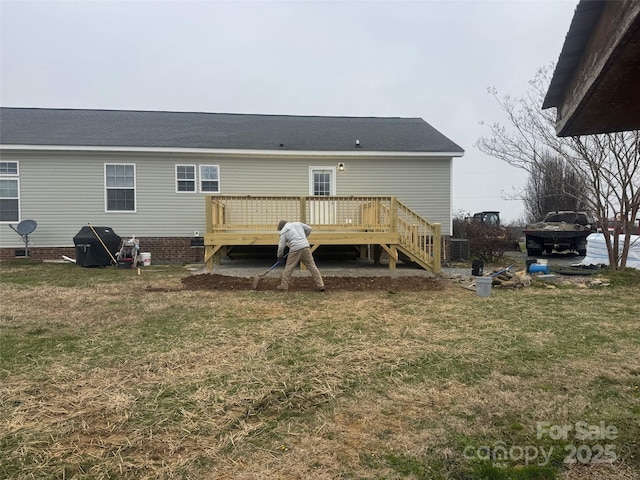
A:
489	242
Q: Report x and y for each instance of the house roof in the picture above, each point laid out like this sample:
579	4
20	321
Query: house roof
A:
124	128
596	83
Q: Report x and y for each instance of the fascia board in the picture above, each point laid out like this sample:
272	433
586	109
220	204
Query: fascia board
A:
228	152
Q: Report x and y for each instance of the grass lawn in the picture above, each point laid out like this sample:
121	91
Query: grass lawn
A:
107	374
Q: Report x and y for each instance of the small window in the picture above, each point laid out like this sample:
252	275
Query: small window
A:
9	192
322	182
8	168
185	178
120	186
9	200
210	178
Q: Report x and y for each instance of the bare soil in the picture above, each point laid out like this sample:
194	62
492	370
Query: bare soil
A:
380	283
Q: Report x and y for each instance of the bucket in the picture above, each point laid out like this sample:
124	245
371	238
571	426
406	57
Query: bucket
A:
477	267
537	268
483	286
146	259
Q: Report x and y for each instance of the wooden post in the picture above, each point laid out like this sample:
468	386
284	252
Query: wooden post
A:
208	257
393	215
377	253
208	213
437	253
393	256
303	210
375	221
415	244
208	249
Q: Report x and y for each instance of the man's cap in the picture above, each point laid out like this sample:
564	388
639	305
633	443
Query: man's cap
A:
281	224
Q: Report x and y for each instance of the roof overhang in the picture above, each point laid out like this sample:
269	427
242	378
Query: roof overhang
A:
227	152
596	84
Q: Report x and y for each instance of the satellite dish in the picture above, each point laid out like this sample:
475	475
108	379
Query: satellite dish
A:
24	228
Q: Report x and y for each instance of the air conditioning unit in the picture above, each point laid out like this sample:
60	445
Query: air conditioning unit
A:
460	249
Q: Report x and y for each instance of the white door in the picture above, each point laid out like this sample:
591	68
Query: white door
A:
322	183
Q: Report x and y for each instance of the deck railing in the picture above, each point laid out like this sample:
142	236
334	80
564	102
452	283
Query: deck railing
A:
420	237
324	213
244	218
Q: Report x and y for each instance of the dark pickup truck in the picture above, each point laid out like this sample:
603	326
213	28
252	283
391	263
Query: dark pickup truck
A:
560	231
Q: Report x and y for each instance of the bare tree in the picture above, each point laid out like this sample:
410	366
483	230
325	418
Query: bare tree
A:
610	163
553	186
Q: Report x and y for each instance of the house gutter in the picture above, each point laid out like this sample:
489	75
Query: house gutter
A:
228	152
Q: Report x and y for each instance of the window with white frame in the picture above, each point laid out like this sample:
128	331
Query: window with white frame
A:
120	186
185	178
210	178
9	192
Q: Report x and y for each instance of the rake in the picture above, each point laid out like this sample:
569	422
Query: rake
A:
257	278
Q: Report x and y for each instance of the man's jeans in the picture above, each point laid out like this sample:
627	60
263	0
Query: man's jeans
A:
293	259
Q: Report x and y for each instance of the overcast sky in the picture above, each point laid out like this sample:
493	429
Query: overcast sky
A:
427	59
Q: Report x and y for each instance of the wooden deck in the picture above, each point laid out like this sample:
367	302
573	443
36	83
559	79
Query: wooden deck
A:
369	220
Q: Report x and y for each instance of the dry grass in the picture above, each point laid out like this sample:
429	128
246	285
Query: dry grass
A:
130	377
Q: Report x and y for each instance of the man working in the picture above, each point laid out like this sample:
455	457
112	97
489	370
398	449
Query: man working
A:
294	234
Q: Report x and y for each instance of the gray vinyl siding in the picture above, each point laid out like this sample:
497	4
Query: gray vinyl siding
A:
64	191
423	184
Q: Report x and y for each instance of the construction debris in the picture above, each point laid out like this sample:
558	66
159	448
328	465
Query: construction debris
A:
507	279
515	277
504	278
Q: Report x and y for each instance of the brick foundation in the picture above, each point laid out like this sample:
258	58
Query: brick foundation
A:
162	250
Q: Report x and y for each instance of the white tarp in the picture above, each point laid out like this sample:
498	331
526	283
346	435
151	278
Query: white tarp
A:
597	250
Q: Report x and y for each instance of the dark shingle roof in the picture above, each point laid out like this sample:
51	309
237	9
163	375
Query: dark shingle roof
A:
123	128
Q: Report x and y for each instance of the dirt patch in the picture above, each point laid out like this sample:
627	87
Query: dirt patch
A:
392	284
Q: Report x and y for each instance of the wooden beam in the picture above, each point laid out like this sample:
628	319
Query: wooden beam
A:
241	238
209	252
352	238
393	254
317	237
596	83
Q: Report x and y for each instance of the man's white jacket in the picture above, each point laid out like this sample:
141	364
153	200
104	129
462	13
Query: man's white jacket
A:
295	235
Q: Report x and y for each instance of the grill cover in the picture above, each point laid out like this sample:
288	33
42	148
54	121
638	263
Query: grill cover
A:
89	250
